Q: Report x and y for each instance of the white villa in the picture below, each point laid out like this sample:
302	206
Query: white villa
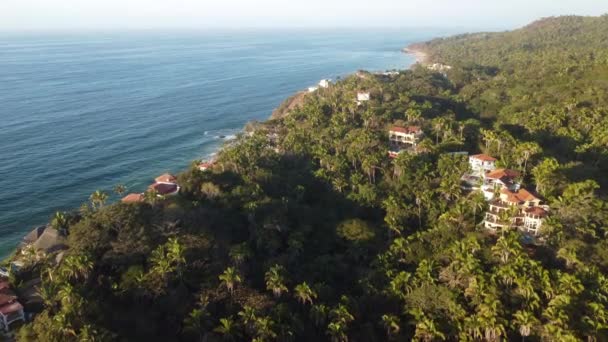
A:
482	163
516	209
312	89
403	138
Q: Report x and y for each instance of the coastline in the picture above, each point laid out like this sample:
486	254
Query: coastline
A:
289	103
422	57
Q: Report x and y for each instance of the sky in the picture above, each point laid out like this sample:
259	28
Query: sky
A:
34	15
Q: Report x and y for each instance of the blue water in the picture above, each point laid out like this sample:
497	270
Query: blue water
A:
81	112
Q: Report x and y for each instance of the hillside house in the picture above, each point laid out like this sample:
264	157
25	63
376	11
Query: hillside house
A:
482	163
499	179
325	83
403	138
516	209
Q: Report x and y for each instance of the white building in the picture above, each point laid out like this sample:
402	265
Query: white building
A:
402	138
482	163
324	83
363	96
516	209
312	89
499	179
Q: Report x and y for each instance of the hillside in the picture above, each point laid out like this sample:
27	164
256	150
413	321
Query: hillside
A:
466	204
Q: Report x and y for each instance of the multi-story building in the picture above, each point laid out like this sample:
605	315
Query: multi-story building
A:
403	138
518	209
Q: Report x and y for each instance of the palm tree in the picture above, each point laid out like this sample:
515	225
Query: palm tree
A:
275	280
230	279
98	199
76	267
120	189
304	293
337	332
151	196
264	329
59	221
525	322
506	247
228	329
195	322
248	317
391	324
427	331
175	254
319	314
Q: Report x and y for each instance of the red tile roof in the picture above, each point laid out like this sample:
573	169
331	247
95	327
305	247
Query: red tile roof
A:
205	165
483	157
522	195
6	298
10	308
406	130
4	285
133	198
536	211
163	188
166	178
500	173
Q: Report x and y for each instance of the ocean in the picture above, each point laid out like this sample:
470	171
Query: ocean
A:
86	111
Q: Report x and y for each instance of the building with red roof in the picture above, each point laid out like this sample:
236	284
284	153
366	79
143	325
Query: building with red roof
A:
164	189
133	198
499	179
482	163
516	209
10	309
166	178
204	166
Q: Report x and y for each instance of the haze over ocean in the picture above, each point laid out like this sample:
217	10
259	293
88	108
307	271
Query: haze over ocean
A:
81	112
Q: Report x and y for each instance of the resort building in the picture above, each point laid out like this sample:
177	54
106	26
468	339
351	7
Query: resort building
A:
10	309
166	178
516	209
403	138
133	198
482	163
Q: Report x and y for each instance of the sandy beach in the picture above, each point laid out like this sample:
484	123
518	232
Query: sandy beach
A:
421	56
